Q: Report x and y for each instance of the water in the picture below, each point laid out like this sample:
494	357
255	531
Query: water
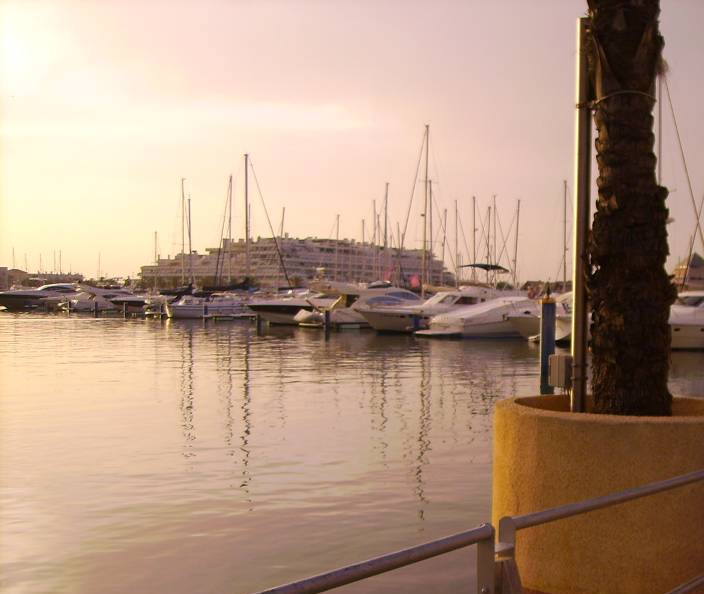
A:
147	457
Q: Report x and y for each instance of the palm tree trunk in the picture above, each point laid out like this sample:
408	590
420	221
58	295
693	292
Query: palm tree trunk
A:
630	290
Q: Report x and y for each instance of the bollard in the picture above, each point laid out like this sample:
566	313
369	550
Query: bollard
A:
95	309
547	340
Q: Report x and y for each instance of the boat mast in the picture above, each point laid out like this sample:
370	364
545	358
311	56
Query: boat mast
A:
444	239
431	261
495	255
474	238
246	214
190	249
337	247
229	231
156	261
457	250
424	262
386	215
515	246
488	235
183	239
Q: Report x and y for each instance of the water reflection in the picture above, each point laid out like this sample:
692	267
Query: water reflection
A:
250	457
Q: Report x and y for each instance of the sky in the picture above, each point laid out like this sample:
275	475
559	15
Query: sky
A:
105	106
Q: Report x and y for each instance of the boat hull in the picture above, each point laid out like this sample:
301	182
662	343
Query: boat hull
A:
395	321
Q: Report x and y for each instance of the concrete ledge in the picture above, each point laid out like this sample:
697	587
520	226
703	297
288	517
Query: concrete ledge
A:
545	456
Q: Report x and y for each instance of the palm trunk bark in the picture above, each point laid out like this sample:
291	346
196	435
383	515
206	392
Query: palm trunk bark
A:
630	290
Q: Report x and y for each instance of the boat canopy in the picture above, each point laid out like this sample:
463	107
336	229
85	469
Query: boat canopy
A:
485	267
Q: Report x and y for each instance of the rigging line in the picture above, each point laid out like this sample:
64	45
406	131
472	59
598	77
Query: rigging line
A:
271	227
691	247
444	231
684	161
413	190
221	256
464	239
504	239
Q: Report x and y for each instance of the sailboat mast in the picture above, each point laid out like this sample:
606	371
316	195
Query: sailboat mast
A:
488	244
190	248
229	231
494	255
474	238
183	230
444	239
386	215
457	249
424	262
246	214
564	236
337	247
515	246
430	229
156	261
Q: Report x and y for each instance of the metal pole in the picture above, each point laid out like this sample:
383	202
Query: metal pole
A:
581	224
457	250
386	215
183	236
474	238
515	247
190	249
229	231
431	257
547	340
444	239
424	262
246	213
564	236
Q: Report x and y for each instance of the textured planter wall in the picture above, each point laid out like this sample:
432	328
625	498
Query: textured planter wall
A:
545	456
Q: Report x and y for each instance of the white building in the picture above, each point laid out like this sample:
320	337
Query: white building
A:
344	260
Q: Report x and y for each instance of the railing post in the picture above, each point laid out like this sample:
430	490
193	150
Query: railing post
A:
486	565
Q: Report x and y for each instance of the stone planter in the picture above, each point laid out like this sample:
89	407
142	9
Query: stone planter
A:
545	456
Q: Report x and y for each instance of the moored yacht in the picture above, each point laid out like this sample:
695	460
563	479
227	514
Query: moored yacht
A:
217	305
346	311
283	310
686	322
483	320
528	323
29	299
412	316
93	299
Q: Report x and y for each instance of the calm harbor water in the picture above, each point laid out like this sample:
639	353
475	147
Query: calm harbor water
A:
147	457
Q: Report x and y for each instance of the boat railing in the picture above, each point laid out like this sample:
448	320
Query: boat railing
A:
496	570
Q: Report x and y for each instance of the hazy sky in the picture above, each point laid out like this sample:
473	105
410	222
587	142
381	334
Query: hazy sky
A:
107	104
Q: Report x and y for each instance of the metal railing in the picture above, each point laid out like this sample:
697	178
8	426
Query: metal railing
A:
482	536
496	564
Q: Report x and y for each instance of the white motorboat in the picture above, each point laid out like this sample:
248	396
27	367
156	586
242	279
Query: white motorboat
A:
482	320
409	317
283	310
686	322
29	299
528	323
217	305
346	310
93	299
